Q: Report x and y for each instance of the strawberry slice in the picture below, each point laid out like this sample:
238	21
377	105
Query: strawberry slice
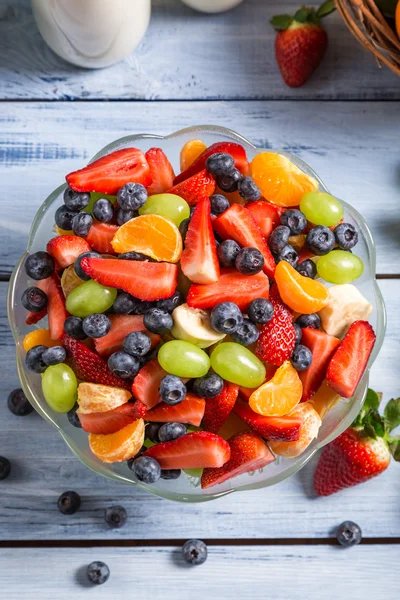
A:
192	451
199	260
266	215
56	311
237	223
109	173
348	364
231	285
121	325
88	366
144	280
190	410
323	347
65	249
112	420
235	150
282	429
34	317
196	187
248	453
277	337
218	409
305	254
100	237
146	383
161	171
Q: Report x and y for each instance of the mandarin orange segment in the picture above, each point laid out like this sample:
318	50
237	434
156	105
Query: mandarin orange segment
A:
278	396
279	180
119	446
324	399
93	397
152	235
39	337
311	422
302	294
190	152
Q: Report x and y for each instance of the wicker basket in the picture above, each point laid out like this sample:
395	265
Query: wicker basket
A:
369	26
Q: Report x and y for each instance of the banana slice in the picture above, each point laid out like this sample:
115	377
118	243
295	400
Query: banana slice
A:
193	325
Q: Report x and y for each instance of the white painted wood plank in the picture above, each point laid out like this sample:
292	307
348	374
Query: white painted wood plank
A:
189	55
43	468
350	145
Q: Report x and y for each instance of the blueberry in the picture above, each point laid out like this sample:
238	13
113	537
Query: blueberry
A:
34	361
229	183
227	252
172	389
320	240
34	299
183	228
103	210
220	163
64	216
348	534
279	238
170	473
5	468
96	325
97	572
218	204
299	333
73	417
249	190
130	461
246	334
115	516
208	386
39	265
82	223
249	261
158	321
346	236
73	328
307	268
123	365
226	317
18	403
75	200
171	431
132	196
68	503
123	216
77	264
169	304
137	343
151	432
146	469
301	358
54	355
312	321
135	256
288	254
194	552
260	311
124	304
140	307
295	220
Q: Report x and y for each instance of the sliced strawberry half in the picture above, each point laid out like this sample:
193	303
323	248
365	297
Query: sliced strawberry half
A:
121	325
266	215
100	237
56	311
109	173
199	260
305	254
237	223
248	453
283	429
323	347
65	249
218	409
190	410
235	150
195	450
112	420
161	171
196	187
231	285
144	280
146	383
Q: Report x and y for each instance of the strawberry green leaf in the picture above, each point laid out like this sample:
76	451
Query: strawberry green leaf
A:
281	22
372	401
376	422
326	8
392	414
394	447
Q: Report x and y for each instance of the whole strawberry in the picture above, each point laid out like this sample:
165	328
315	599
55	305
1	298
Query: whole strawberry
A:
362	451
301	42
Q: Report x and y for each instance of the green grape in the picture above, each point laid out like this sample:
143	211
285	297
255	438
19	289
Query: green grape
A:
339	266
59	386
148	443
321	209
167	205
89	298
183	359
238	364
96	196
194	472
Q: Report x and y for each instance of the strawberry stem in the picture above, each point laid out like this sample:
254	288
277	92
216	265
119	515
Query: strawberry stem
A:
326	9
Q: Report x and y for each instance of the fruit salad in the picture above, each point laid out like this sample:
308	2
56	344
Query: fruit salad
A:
202	321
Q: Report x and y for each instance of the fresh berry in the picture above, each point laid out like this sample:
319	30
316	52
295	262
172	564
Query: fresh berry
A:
220	163
230	181
289	254
299	333
281	429
100	237
279	238
18	403
218	408
158	321
96	325
77	264
63	217
249	190
320	240
322	347
208	386
132	196
97	572
5	468
125	304
34	360
226	317
73	328
249	261
227	252
348	534
151	432
135	256
246	334
196	187
121	327
171	431
190	410
115	516
301	358
277	337
69	503
82	223
54	355
73	417
218	204
170	473
146	383
111	421
183	229
346	236
194	552
172	390
307	268
260	311
123	364
39	265
57	313
266	215
103	210
295	220
34	299
137	343
65	249
75	201
34	317
161	171
123	216
312	321
147	469
169	304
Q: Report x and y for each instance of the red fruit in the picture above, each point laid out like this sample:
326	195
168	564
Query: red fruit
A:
121	325
161	171
192	451
199	260
323	347
144	280
266	215
282	429
237	223
196	187
111	172
65	249
56	311
248	453
112	420
100	237
218	409
348	363
34	317
235	150
190	410
146	383
88	366
231	285
305	254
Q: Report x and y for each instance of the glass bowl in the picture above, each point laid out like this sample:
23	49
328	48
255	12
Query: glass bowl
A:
187	488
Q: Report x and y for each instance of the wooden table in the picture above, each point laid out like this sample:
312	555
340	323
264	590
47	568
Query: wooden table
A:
193	69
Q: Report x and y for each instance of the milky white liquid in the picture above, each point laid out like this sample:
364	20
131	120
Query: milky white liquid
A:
212	6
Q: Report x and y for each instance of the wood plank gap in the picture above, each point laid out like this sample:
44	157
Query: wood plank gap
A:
204	100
